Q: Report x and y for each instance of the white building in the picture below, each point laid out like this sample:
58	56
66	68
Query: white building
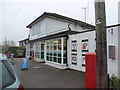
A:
49	37
62	42
85	42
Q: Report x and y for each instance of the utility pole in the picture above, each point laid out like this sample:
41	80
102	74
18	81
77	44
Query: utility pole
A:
5	41
84	12
101	45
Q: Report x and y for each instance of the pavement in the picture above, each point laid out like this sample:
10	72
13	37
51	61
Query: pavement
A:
40	75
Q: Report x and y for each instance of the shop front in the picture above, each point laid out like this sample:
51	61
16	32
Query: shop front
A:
56	52
39	51
48	38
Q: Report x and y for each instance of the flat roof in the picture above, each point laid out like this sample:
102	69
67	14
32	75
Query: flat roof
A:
24	39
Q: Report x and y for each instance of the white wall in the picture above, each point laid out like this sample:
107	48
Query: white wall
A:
42	29
48	26
55	25
91	47
112	39
119	39
119	51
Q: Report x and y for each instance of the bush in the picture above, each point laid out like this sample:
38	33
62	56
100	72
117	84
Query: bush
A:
4	51
18	51
115	82
21	52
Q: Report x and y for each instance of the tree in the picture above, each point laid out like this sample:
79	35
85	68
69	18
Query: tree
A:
7	44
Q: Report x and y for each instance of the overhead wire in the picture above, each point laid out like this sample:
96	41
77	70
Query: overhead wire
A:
15	18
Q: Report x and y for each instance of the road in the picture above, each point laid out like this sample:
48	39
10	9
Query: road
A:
40	75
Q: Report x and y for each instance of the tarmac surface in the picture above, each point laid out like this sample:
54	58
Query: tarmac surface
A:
40	75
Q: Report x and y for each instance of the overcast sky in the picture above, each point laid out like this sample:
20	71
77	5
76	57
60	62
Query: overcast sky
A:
15	15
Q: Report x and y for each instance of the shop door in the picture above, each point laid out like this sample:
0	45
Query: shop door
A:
37	51
42	50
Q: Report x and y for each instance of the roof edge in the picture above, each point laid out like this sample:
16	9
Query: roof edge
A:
58	16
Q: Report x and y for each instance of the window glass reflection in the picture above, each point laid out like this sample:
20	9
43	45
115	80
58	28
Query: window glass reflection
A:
54	50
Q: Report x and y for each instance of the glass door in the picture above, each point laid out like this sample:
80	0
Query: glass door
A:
42	50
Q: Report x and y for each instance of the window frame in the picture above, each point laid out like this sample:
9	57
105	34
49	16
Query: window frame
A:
57	53
10	71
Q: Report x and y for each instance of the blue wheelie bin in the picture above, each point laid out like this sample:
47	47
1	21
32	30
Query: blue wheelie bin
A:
24	64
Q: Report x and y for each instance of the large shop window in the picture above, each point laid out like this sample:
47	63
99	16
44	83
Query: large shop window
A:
54	50
28	50
37	48
42	50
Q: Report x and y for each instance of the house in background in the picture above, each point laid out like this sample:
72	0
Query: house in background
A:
49	38
24	42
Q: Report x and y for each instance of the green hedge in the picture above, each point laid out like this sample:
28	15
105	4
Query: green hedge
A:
18	51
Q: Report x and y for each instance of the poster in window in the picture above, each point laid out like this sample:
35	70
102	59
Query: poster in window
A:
85	47
74	45
74	58
83	59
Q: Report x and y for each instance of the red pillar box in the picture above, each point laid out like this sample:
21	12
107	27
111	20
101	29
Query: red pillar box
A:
91	70
32	58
